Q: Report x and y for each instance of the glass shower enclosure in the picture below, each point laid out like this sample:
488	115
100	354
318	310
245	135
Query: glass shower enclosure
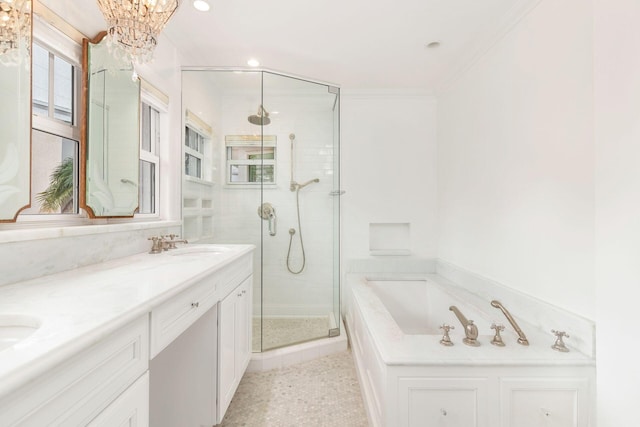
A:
261	166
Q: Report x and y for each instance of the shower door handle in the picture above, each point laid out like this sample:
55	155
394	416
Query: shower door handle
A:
267	212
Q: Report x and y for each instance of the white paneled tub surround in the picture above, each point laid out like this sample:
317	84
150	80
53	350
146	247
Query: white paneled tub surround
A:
409	379
99	319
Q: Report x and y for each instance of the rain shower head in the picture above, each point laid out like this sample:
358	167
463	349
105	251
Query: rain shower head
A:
260	119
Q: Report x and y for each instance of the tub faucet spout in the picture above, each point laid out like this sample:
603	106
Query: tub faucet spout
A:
522	338
470	330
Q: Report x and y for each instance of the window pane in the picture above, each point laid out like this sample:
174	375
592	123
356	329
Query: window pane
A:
155	130
63	90
54	176
251	173
246	153
194	140
40	82
192	166
145	128
147	194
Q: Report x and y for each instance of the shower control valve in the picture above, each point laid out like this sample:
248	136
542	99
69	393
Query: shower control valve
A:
446	340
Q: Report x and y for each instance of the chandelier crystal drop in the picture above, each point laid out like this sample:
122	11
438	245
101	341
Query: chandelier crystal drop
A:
134	25
15	27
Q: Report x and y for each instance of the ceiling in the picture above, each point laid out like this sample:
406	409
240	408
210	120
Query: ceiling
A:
357	44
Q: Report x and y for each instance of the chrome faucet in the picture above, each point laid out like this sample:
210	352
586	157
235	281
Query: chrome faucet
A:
522	338
470	330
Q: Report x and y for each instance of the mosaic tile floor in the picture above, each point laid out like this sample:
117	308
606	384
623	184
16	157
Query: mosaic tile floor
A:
281	331
320	393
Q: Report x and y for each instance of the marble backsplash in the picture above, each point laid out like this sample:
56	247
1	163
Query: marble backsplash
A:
49	251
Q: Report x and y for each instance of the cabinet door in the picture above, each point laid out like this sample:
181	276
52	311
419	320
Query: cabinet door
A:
549	402
227	371
440	402
234	342
130	409
243	334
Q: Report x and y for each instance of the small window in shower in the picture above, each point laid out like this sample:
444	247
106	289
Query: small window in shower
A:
251	160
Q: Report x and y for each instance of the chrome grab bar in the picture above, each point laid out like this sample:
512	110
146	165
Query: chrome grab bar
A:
267	212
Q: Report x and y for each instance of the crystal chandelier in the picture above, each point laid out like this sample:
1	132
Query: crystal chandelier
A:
15	26
134	25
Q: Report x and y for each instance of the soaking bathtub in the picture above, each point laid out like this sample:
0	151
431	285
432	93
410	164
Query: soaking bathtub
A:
409	379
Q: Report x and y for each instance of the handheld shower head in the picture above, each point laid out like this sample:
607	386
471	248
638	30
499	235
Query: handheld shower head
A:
260	119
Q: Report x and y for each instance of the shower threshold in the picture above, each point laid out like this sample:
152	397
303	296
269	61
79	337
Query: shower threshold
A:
287	355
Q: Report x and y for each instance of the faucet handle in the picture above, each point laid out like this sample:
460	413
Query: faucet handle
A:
497	338
446	340
559	344
156	247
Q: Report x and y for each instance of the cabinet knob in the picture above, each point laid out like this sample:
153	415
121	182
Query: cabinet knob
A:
443	412
244	291
195	304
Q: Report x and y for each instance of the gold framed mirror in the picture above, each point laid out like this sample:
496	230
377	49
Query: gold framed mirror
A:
110	142
15	108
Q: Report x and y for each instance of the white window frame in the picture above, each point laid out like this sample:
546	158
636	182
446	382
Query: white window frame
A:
196	124
258	142
148	97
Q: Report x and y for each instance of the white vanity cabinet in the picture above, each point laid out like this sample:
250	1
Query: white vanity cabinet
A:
79	389
133	342
234	342
200	347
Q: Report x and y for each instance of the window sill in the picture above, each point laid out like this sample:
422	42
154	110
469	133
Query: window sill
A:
58	231
198	180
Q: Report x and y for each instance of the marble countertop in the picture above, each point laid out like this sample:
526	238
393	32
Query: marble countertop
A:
398	348
80	307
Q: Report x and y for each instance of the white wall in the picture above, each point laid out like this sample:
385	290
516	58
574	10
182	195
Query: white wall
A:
617	135
388	156
516	159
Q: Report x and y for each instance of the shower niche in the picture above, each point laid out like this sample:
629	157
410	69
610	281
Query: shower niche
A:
272	162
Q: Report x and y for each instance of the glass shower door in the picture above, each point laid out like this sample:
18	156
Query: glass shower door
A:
300	270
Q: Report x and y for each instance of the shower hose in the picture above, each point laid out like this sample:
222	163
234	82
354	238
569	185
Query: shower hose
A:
292	231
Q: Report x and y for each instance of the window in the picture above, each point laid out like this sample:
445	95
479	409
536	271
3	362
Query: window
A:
251	159
55	134
194	146
150	135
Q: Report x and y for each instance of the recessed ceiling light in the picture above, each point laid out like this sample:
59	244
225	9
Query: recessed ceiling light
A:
253	62
201	5
433	45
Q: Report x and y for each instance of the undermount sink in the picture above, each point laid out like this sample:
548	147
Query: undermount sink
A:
15	328
200	250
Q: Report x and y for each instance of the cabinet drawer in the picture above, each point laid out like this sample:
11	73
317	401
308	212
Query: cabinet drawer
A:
553	402
454	402
131	408
173	317
234	274
76	391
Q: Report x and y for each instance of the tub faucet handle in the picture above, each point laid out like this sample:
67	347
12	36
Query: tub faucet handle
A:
446	340
497	338
559	344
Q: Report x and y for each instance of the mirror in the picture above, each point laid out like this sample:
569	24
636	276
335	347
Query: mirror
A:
112	136
15	108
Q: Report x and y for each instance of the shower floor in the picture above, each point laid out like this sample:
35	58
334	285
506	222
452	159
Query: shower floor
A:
282	331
